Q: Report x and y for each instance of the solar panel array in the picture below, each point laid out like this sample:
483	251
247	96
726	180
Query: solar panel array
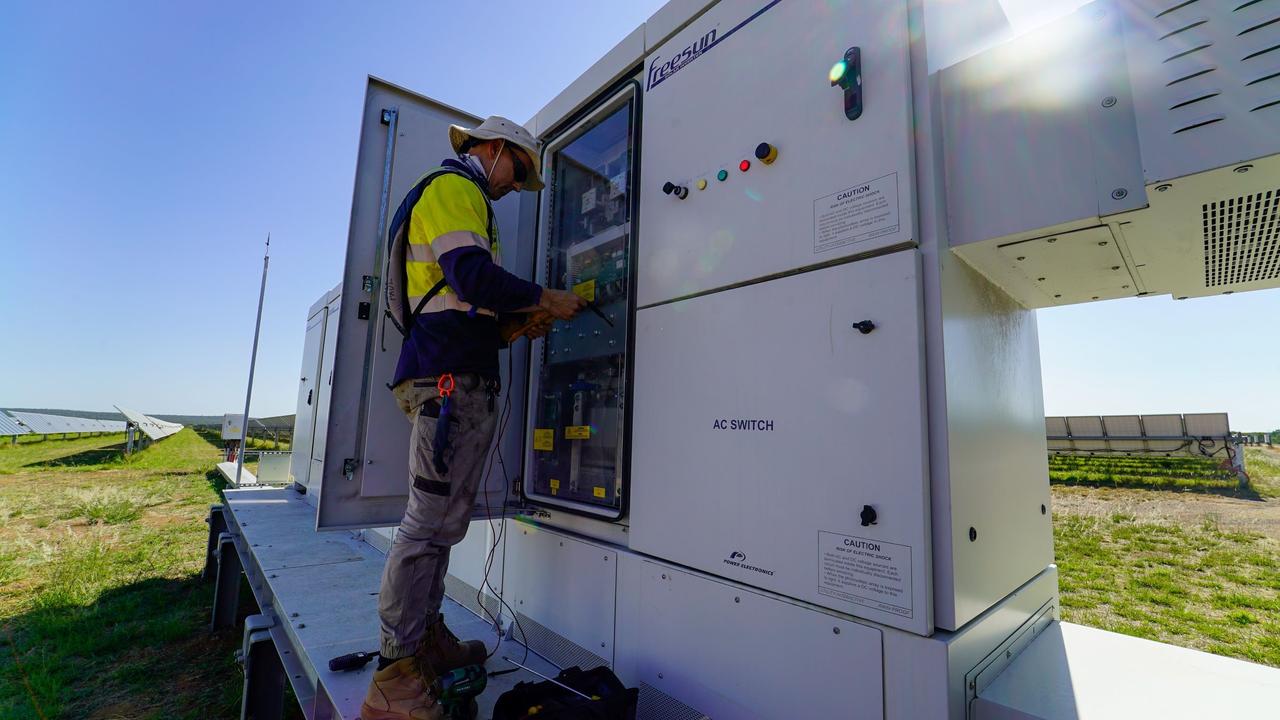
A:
29	423
43	424
151	427
1196	434
9	426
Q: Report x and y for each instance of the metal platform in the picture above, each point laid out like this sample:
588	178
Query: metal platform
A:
228	472
318	595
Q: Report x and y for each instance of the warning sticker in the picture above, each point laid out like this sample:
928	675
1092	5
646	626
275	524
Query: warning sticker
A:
555	486
544	439
577	432
597	491
856	214
866	572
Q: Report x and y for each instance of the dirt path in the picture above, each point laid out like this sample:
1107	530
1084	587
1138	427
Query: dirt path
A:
1260	516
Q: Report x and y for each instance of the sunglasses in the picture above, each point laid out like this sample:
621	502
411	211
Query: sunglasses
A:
519	172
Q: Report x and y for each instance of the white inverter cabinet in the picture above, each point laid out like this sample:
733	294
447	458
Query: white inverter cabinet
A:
802	455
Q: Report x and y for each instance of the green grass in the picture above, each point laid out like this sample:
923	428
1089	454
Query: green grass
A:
1263	466
1152	473
102	612
1199	587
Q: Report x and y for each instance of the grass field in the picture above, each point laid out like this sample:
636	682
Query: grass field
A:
102	613
1153	473
1158	552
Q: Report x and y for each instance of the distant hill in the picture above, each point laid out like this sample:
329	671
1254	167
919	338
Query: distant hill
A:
277	422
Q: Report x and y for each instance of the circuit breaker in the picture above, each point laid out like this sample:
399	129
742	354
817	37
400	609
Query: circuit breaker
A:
578	393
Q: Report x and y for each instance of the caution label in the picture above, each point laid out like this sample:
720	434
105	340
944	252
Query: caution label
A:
597	491
586	290
577	432
856	214
555	486
873	573
544	439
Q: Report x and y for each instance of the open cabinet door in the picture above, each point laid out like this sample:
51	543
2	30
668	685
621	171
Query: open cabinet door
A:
365	477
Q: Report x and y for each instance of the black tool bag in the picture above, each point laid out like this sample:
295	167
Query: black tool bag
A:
555	703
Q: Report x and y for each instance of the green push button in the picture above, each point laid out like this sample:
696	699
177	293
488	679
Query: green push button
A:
722	175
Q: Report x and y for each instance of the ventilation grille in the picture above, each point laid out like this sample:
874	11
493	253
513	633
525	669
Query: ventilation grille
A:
559	650
657	705
1242	239
1202	44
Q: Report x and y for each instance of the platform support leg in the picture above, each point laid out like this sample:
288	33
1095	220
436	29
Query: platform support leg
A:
264	677
226	590
217	525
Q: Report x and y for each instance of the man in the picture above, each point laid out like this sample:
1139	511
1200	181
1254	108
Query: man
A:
447	382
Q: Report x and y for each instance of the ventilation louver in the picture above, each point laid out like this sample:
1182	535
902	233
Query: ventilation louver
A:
1242	239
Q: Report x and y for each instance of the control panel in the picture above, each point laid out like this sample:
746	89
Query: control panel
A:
577	402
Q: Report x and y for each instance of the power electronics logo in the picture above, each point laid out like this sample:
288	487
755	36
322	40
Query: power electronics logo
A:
738	559
661	68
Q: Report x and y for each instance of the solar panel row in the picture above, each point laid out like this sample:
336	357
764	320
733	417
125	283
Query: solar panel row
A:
151	427
1200	434
28	423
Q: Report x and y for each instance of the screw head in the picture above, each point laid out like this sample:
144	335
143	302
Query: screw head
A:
1052	240
1039	279
1119	194
1243	169
835	630
1043	509
1022	257
1102	244
737	599
1164	188
1109	101
973	534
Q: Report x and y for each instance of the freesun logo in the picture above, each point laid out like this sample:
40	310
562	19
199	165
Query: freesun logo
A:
660	71
738	559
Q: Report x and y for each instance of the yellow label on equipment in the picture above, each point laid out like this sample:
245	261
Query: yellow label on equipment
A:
555	486
598	492
544	439
586	290
577	432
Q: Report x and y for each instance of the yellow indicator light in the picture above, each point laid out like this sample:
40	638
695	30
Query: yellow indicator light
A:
837	72
702	184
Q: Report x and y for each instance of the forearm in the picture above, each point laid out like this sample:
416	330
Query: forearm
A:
478	281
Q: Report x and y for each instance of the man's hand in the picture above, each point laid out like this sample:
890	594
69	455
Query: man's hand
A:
560	304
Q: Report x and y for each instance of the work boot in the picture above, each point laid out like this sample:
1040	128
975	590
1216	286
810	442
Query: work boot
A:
402	690
442	650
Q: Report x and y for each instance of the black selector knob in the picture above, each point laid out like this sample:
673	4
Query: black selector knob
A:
668	187
766	153
868	515
864	327
679	191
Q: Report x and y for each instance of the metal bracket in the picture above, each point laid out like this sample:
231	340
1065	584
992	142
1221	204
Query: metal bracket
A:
264	677
226	590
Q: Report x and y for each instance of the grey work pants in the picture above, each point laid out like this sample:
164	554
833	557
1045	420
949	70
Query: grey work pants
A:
439	508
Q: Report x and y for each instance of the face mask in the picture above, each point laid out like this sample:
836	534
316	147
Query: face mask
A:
474	162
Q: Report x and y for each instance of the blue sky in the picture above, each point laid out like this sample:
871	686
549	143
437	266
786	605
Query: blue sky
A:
146	148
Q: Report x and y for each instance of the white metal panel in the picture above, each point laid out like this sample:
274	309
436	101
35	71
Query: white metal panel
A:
759	73
731	651
565	585
1205	83
990	482
365	474
1072	672
324	380
304	419
833	421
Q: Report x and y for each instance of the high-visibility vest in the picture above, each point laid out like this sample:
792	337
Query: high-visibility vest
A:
423	229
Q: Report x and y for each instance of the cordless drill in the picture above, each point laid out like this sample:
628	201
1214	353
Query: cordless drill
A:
457	691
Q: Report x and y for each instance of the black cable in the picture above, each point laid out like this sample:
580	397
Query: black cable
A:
500	533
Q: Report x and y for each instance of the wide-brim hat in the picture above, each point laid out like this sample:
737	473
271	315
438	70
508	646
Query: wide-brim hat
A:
496	127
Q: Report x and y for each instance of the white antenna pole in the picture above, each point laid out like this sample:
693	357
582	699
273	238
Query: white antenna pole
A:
253	359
